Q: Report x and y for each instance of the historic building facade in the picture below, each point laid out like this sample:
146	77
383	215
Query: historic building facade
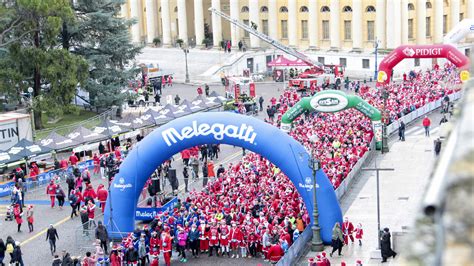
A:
319	24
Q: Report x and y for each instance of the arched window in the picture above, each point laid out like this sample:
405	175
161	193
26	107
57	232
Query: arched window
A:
325	9
175	9
428	5
411	7
245	9
304	9
346	9
264	9
159	9
446	3
370	9
283	9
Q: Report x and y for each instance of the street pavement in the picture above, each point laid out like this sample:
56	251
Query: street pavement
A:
401	192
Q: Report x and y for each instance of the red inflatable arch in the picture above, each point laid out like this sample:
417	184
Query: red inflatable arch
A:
419	51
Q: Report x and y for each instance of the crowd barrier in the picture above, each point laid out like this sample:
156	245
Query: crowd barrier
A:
293	253
43	178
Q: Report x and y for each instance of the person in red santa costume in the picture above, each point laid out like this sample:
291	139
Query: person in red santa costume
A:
166	245
224	235
102	195
347	230
275	253
213	238
203	236
155	244
51	191
235	239
359	232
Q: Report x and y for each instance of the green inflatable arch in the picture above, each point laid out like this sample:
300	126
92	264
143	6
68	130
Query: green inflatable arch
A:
332	101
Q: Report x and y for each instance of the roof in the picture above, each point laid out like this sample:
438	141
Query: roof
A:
12	116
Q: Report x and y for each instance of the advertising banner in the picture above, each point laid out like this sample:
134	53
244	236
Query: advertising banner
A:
147	214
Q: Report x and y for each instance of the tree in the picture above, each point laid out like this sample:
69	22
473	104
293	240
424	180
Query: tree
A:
102	37
35	59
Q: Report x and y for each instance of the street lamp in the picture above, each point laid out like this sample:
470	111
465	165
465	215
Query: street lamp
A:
384	95
376	45
186	52
316	243
30	91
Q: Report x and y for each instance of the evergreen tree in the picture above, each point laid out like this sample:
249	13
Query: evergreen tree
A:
34	57
102	37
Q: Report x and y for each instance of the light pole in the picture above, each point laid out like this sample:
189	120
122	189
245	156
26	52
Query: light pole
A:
377	170
30	91
186	52
376	44
316	243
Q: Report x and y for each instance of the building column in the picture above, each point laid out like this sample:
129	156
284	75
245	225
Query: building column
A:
335	34
150	20
438	21
216	24
199	22
404	18
356	25
165	16
394	25
292	27
420	22
135	15
272	19
454	13
380	23
234	30
470	9
123	10
182	21
313	24
253	16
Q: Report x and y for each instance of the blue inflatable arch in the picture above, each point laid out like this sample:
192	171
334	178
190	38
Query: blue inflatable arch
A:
223	128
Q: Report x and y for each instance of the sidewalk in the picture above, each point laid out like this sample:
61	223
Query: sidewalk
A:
400	195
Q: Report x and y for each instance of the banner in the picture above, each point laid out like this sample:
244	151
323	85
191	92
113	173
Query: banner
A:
220	128
148	214
332	101
419	51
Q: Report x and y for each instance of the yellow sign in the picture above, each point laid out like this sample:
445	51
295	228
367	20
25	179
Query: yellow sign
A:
464	75
381	76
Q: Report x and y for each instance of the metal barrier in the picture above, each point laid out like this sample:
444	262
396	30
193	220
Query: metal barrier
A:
295	250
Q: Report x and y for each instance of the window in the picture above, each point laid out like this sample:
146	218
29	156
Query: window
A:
370	30
304	29
445	24
428	26
304	9
175	9
346	9
411	7
365	63
284	29
417	62
246	33
265	26
343	62
321	59
325	9
461	16
347	30
446	3
159	10
264	9
467	52
370	9
428	5
325	31
283	9
245	9
410	28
